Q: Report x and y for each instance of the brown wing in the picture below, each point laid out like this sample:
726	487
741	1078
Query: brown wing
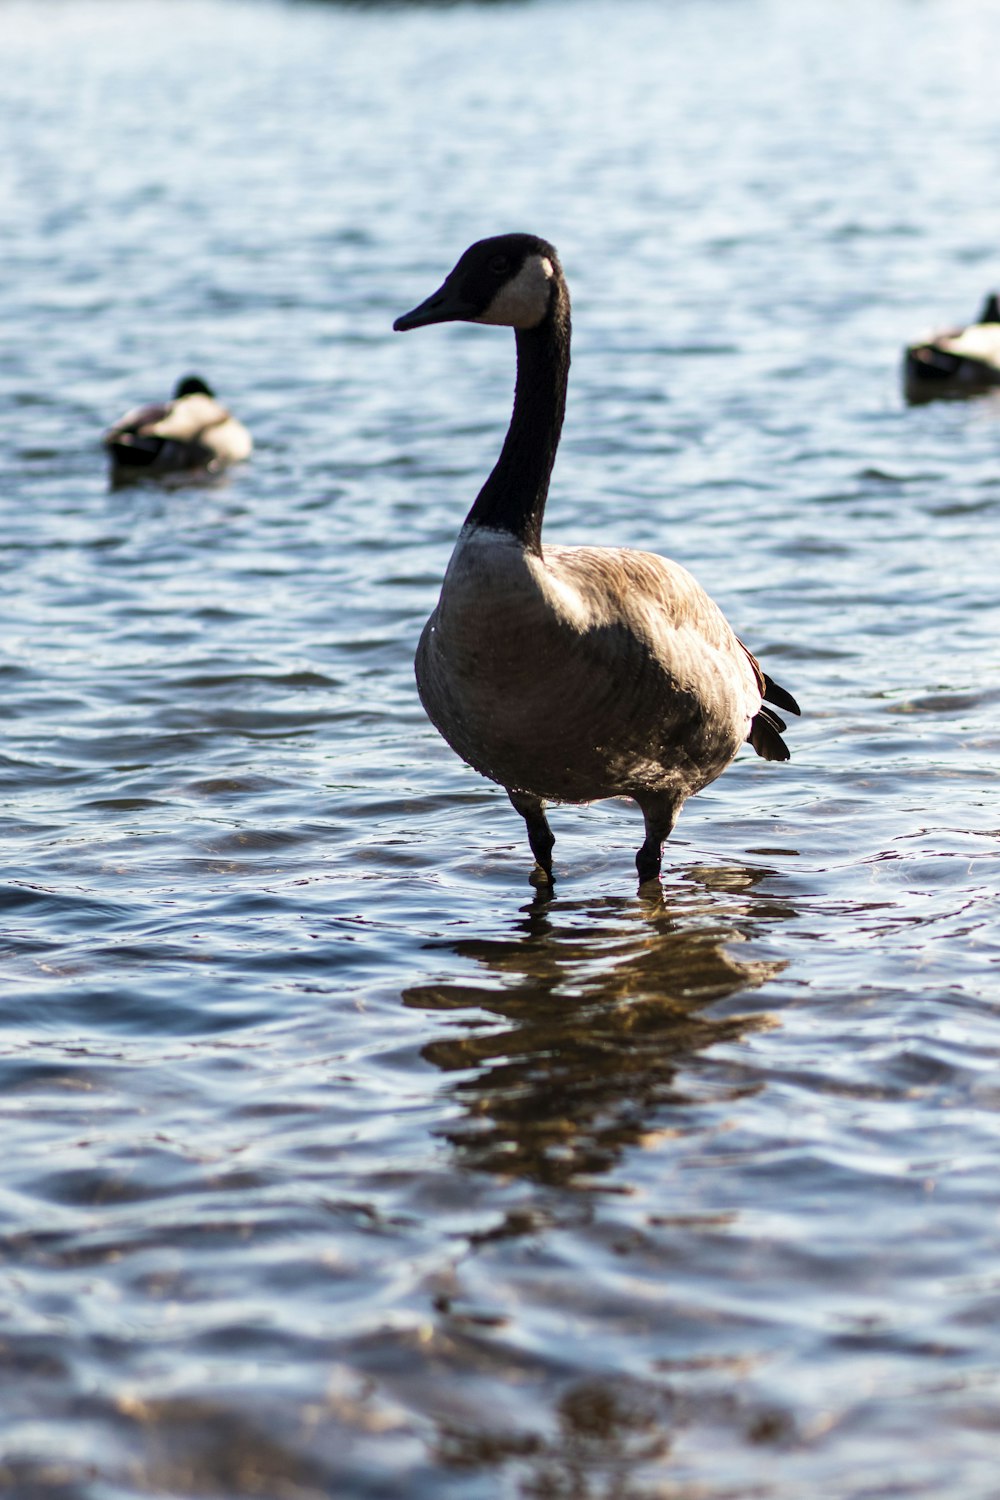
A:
136	419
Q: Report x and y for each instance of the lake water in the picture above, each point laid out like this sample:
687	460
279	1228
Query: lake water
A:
335	1163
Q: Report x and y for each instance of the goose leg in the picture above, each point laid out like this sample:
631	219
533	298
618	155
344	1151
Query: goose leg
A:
660	817
540	835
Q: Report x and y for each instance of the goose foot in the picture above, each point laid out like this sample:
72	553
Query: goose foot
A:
540	835
660	816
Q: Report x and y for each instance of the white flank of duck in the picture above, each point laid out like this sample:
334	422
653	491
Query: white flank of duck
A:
570	674
193	433
978	341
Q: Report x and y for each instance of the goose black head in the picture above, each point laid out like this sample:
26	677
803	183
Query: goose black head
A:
991	310
507	280
192	385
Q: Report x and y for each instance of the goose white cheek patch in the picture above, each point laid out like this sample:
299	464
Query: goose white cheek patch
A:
524	301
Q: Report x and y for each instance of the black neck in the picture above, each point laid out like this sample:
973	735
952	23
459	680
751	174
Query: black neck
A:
513	498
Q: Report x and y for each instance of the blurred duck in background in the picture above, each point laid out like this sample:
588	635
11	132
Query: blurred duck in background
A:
190	435
958	362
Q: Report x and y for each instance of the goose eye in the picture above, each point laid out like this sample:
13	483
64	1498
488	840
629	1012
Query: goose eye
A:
499	265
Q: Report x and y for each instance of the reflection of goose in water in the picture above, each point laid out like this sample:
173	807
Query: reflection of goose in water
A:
957	361
596	1018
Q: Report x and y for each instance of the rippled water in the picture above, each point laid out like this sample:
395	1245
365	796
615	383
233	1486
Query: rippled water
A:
335	1164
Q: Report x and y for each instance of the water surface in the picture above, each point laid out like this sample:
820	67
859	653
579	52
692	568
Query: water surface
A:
336	1162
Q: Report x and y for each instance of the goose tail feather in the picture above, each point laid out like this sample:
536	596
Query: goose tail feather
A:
765	735
777	695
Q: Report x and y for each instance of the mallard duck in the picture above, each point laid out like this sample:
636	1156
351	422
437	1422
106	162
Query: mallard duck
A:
958	362
191	434
570	674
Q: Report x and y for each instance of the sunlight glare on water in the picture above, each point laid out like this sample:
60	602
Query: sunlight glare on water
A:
337	1163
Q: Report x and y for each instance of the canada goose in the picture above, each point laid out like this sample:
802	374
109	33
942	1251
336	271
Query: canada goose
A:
956	362
190	433
568	674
